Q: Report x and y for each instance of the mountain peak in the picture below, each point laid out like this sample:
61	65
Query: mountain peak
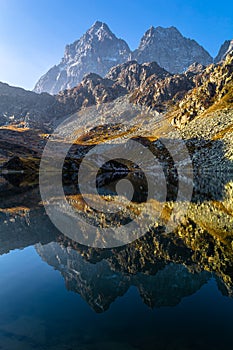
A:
224	50
99	27
170	49
99	24
161	31
95	52
99	49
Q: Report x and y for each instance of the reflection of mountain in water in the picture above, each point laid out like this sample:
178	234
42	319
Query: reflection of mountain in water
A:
164	267
100	284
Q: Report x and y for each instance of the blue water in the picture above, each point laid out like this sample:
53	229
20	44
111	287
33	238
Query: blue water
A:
38	312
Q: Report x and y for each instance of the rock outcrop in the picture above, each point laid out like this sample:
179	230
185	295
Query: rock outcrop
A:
211	88
170	50
92	90
131	75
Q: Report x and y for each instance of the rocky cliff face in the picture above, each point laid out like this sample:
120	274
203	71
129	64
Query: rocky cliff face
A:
170	50
224	50
92	90
96	52
101	283
99	49
131	75
213	88
120	80
145	84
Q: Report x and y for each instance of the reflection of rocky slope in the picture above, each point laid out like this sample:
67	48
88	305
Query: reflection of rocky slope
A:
164	267
22	220
100	284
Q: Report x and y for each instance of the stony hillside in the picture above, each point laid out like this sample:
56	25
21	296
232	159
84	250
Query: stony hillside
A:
188	95
213	88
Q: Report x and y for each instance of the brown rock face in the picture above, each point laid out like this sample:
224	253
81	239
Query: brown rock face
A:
99	49
92	90
210	87
132	74
159	93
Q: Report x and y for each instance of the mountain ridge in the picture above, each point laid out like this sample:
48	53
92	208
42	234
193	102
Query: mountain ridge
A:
98	50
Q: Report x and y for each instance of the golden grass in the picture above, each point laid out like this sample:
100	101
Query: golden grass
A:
14	127
15	210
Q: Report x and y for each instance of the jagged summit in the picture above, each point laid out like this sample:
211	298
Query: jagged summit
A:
170	50
96	51
101	26
224	50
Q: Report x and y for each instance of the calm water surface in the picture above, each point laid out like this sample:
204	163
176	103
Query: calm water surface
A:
56	294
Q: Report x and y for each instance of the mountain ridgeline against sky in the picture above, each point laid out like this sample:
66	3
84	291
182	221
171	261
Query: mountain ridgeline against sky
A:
226	48
99	49
96	51
170	50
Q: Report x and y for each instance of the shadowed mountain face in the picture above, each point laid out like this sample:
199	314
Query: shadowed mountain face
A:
100	283
99	49
170	50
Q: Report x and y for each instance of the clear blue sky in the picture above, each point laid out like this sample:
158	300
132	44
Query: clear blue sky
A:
35	32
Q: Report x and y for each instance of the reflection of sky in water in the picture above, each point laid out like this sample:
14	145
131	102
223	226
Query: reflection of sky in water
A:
38	312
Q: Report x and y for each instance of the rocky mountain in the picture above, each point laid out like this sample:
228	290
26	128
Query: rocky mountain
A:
226	48
131	74
170	50
187	95
158	94
95	52
92	90
213	88
119	81
146	84
21	106
100	283
99	49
